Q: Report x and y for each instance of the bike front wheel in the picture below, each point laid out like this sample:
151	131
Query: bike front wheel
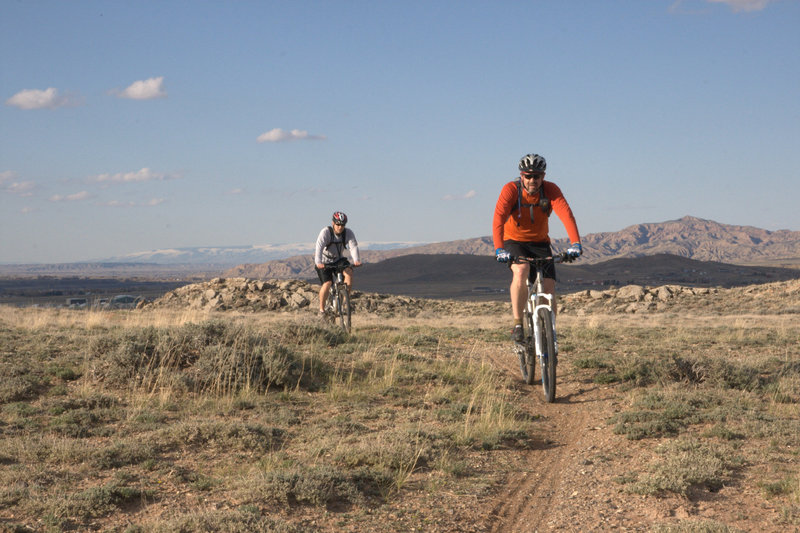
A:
548	359
526	351
345	312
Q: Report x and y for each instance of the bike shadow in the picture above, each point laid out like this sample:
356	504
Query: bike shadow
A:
584	395
580	396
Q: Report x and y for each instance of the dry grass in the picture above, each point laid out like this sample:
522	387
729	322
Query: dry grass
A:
270	412
184	421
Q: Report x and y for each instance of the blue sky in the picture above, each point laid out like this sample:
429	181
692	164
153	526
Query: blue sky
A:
132	126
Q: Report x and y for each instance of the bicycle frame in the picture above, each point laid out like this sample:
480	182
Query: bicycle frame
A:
339	297
539	321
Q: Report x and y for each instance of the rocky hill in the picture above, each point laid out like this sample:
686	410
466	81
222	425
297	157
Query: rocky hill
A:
690	237
246	295
695	238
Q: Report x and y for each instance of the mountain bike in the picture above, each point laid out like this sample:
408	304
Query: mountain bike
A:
539	339
338	302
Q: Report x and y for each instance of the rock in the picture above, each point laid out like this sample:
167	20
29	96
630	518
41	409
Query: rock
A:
633	293
664	293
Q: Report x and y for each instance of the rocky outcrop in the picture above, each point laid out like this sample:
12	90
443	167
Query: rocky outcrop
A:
248	295
779	297
631	298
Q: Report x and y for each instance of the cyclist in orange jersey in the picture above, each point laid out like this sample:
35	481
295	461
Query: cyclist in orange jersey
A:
521	228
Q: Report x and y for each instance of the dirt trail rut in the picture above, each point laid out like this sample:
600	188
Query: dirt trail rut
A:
541	494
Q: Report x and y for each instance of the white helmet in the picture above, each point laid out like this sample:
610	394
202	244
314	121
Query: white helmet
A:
532	163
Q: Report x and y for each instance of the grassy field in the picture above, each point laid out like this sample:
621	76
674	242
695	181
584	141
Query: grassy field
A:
187	421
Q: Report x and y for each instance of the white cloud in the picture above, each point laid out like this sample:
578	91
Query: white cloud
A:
7	175
117	203
77	197
744	5
143	175
466	196
22	188
37	99
130	203
737	6
148	89
277	135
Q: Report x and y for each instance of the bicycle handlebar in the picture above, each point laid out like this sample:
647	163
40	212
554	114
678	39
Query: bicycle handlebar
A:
340	266
558	258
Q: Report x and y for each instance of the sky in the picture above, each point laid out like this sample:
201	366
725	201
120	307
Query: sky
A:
135	126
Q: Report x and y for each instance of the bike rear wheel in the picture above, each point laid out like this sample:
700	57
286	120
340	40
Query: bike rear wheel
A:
548	358
526	351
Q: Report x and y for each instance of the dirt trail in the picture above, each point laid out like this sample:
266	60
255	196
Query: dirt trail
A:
541	495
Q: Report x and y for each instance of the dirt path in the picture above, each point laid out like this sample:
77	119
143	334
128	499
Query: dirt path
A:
571	479
549	490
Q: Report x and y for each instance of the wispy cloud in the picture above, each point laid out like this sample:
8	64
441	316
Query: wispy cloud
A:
278	135
130	203
737	6
7	175
148	89
235	191
9	184
22	188
466	196
76	197
744	5
143	175
37	99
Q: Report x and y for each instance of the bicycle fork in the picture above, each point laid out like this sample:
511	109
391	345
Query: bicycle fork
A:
537	332
336	300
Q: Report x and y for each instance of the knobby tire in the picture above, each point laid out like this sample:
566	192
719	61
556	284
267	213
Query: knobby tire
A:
339	314
527	351
548	360
344	309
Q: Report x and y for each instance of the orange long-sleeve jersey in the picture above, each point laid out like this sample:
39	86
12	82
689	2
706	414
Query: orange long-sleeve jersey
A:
518	226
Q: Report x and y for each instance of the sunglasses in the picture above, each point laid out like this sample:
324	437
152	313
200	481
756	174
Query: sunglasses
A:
338	224
532	175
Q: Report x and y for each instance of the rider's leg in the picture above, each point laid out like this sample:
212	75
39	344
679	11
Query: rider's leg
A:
549	287
348	278
519	290
324	291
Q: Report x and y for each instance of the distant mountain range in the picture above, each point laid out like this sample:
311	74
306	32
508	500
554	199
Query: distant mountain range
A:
688	237
233	255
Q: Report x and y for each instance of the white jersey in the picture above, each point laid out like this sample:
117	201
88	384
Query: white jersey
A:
330	247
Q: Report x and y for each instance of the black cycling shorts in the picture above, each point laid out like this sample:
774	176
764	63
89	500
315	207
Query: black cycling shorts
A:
325	273
532	249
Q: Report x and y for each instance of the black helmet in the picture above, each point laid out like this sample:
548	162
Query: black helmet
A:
339	218
532	163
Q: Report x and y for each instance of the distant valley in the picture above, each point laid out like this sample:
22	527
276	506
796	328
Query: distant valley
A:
469	277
